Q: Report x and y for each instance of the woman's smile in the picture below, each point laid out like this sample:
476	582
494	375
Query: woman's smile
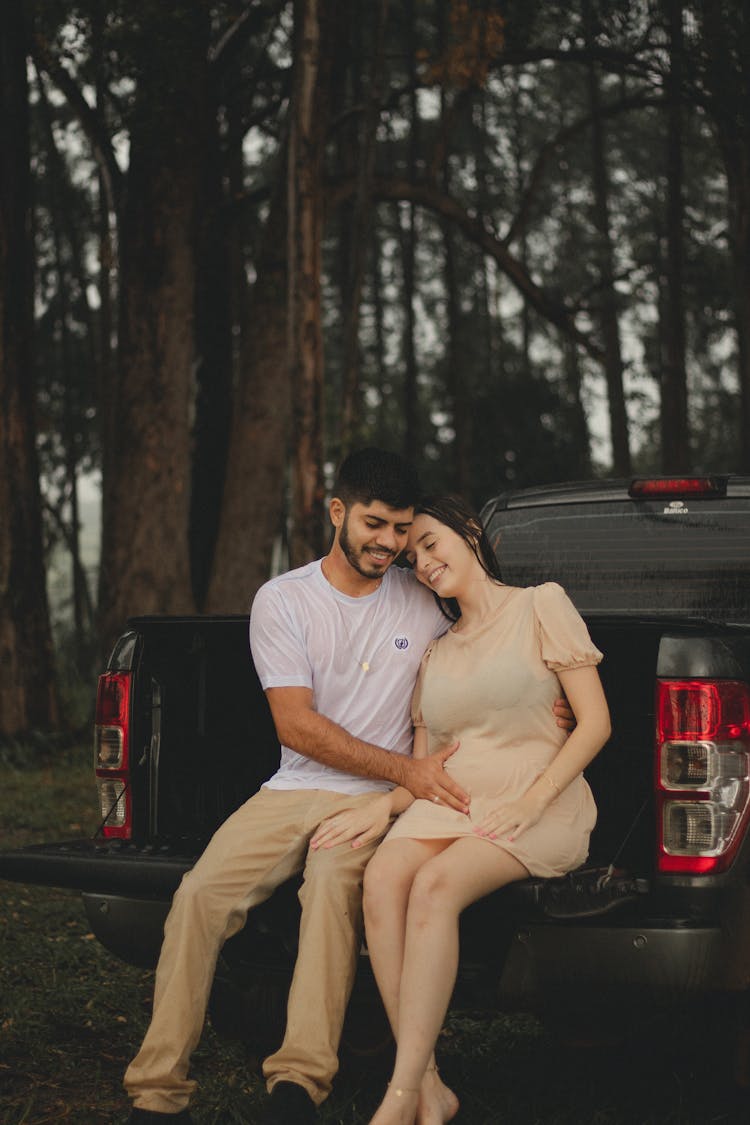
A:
434	575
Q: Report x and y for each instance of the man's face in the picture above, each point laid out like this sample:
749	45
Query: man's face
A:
372	535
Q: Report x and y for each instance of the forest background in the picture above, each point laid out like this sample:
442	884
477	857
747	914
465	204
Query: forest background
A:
510	238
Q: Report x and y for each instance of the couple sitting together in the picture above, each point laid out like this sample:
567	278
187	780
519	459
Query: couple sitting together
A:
418	714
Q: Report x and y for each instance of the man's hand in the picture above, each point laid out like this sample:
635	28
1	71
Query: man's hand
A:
427	778
563	713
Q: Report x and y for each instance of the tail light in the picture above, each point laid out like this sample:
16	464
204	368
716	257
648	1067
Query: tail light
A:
656	488
702	772
112	753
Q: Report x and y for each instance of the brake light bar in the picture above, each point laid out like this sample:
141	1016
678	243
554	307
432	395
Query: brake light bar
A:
112	754
658	487
702	773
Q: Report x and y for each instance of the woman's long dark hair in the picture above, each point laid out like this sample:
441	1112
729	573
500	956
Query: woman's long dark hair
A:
453	512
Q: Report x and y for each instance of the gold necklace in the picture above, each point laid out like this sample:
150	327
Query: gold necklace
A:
363	662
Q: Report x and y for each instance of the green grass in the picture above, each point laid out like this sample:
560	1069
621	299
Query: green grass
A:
72	1016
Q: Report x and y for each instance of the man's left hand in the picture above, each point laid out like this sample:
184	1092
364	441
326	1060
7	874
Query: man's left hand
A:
563	714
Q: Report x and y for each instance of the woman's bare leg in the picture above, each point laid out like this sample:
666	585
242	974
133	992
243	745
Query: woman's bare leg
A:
388	881
442	887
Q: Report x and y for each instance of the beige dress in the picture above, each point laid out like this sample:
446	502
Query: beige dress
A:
492	688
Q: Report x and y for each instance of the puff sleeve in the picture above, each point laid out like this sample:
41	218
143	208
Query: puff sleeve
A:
416	699
563	636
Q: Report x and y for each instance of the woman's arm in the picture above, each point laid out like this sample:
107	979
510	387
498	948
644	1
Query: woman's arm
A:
585	694
583	689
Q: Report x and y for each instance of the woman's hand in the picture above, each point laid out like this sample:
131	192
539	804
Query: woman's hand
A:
360	825
513	818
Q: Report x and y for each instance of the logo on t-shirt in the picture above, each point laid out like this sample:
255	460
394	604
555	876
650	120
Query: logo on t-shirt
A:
401	642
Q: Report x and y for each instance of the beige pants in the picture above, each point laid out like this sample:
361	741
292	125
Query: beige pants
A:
256	849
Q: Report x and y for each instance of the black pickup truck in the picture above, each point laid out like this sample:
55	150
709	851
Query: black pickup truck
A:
660	569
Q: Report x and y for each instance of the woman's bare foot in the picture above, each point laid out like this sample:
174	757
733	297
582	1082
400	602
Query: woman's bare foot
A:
437	1102
398	1107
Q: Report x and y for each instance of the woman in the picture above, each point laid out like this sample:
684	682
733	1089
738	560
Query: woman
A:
489	683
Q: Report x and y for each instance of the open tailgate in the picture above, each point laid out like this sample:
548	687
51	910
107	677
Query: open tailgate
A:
99	867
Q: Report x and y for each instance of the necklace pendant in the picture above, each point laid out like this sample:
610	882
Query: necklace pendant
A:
365	665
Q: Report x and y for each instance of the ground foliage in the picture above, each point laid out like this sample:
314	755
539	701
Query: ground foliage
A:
71	1016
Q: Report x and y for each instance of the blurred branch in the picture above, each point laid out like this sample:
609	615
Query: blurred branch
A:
91	120
638	101
249	22
474	228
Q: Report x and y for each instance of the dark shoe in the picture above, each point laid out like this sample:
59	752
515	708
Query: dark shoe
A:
289	1104
152	1117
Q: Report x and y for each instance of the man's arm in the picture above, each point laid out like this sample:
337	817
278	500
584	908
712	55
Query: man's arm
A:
300	727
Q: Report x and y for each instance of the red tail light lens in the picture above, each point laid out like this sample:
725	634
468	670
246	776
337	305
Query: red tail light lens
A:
112	753
696	709
657	487
702	772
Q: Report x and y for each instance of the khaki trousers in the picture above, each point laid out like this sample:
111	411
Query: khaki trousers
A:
262	844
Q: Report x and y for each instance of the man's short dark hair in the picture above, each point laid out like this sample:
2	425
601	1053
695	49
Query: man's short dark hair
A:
376	474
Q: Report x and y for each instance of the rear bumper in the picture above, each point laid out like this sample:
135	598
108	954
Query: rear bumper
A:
599	964
596	964
130	928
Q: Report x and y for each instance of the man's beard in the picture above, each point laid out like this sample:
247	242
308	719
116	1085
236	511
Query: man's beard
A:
358	559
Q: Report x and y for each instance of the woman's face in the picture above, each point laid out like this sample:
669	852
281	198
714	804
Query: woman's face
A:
440	558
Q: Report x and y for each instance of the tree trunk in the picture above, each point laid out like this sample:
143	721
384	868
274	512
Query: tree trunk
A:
675	444
382	428
457	373
613	366
106	230
361	220
411	432
63	222
727	69
27	690
146	502
347	95
411	442
213	366
518	168
575	417
739	225
308	123
252	503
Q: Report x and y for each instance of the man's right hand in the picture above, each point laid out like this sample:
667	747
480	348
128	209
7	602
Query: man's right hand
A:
427	778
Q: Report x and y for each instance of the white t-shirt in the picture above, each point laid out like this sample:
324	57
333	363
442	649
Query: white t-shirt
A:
305	633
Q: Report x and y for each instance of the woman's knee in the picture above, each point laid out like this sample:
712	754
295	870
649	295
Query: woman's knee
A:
384	872
386	881
432	892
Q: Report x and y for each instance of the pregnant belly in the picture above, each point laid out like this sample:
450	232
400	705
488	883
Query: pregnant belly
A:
512	766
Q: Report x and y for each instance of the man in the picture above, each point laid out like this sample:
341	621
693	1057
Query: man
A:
337	645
